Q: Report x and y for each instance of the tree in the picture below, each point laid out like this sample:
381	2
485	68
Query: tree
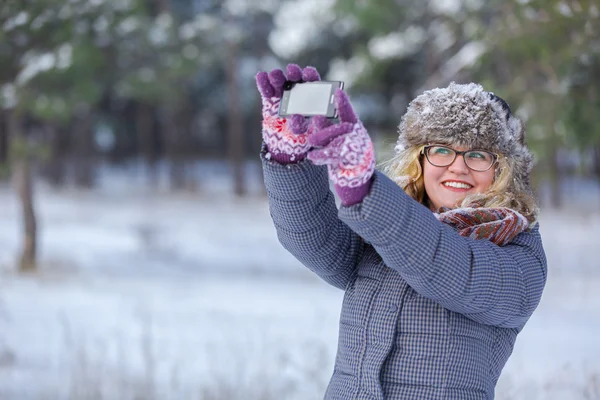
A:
542	55
159	58
389	51
19	42
53	72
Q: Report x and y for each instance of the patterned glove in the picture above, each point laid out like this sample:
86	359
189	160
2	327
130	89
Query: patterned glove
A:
347	150
286	139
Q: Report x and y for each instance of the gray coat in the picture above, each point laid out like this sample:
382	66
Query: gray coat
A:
427	313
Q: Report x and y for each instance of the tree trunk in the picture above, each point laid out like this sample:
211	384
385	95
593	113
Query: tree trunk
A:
235	137
596	163
55	170
83	151
171	134
551	106
145	136
555	175
23	182
3	138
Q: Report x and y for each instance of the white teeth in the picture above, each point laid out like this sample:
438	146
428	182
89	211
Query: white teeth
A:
458	185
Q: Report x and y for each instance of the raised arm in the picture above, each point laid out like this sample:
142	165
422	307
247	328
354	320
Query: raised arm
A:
306	219
301	204
490	284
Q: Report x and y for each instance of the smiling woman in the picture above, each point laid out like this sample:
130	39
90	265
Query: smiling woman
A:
464	120
449	179
434	296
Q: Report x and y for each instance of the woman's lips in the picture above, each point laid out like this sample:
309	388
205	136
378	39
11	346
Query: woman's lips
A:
457	186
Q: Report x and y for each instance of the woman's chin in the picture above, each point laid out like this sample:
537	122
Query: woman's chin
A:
454	202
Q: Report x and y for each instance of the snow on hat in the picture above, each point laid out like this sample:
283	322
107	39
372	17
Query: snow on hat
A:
466	115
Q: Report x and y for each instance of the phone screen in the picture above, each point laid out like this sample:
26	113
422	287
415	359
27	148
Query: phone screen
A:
310	98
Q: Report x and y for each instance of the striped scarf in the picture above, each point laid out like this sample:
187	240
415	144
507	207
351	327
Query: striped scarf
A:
498	225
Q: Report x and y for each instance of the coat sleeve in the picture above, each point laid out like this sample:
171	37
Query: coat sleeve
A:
490	284
305	216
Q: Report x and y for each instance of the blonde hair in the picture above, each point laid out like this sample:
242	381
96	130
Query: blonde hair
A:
406	169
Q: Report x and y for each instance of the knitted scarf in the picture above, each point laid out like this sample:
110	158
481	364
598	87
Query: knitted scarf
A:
498	225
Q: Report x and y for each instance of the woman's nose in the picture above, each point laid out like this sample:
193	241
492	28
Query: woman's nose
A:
459	166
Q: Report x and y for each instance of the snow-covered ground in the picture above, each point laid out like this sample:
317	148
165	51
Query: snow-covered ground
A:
155	295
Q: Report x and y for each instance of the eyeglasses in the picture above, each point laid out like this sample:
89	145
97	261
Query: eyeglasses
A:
442	156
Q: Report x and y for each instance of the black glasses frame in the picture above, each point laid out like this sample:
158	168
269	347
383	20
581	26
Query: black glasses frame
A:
459	153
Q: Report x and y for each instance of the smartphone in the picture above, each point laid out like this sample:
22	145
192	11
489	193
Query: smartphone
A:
309	98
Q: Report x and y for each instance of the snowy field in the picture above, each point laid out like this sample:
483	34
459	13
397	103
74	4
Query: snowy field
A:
153	295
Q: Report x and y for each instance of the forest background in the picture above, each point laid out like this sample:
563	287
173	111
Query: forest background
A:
158	97
170	82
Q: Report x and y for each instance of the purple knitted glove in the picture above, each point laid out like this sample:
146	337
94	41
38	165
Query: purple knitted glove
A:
286	139
347	150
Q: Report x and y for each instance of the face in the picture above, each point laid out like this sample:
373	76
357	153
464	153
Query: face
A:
448	186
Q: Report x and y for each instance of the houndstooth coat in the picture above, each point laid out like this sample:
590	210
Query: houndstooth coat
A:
427	314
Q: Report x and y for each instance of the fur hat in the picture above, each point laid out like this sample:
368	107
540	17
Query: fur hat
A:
466	115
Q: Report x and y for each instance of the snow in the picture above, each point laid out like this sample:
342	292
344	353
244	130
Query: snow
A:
241	7
8	96
466	56
187	31
150	294
129	25
347	71
18	20
397	44
101	24
443	36
35	63
293	34
446	7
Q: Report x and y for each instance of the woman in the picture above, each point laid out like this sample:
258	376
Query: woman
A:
441	262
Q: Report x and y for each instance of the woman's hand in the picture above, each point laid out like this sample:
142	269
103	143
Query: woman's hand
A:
286	139
346	149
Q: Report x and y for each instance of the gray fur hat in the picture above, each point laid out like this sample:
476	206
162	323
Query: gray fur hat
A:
466	115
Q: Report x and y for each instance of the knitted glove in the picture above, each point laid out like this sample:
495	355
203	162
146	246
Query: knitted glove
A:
347	150
285	138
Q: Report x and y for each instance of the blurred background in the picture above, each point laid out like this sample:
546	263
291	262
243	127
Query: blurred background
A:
137	255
